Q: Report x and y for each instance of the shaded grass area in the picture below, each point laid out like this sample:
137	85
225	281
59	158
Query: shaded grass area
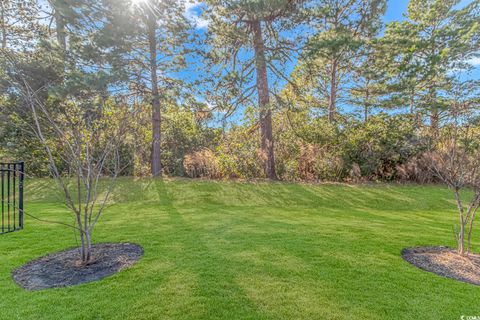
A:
231	250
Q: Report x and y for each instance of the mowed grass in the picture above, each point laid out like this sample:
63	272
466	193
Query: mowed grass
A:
231	250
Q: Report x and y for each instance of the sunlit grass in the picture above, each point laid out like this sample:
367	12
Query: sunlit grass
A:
231	250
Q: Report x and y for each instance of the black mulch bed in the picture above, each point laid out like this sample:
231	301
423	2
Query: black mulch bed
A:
445	262
63	269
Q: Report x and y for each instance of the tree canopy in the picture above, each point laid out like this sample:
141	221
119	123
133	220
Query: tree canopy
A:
281	89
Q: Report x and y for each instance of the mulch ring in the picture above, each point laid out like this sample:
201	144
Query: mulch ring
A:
445	262
63	269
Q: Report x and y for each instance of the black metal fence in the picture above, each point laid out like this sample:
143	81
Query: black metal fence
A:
12	175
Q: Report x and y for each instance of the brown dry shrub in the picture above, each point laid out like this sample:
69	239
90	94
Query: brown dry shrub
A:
202	164
329	167
417	169
306	162
319	164
355	174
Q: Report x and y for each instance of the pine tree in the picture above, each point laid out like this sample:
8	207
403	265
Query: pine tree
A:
342	31
18	23
366	90
86	44
249	47
427	50
158	53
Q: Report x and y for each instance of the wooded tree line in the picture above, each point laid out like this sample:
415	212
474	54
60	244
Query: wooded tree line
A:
280	89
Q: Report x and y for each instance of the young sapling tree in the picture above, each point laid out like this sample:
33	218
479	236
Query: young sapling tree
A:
83	143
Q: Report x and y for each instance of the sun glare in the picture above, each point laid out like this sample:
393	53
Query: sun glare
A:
138	2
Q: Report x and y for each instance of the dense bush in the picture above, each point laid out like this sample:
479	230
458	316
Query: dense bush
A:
383	148
306	149
202	164
380	145
239	155
316	150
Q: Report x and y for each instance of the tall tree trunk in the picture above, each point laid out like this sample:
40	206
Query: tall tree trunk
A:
156	166
434	114
60	30
416	116
332	100
264	102
3	24
434	122
366	107
412	106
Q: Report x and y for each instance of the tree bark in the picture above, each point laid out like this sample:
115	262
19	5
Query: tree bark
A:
82	237
461	239
264	102
332	99
474	208
434	122
461	235
156	166
416	116
434	116
60	30
88	247
3	25
367	106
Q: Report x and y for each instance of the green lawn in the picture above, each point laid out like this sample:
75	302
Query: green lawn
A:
231	250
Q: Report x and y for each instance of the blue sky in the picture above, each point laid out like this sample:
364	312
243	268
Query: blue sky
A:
396	11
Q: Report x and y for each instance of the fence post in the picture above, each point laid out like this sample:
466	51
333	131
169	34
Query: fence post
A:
20	195
12	177
8	196
3	196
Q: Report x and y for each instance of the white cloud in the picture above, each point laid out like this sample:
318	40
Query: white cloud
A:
192	4
474	61
192	14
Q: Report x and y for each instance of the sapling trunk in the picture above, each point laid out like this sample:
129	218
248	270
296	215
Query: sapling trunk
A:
88	247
